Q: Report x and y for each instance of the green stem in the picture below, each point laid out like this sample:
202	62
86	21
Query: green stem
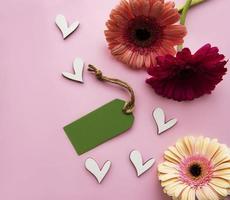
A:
183	18
185	11
194	3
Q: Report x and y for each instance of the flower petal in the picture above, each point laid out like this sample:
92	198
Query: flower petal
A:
221	191
167	170
192	194
212	148
169	182
199	145
205	145
170	189
171	157
200	194
156	9
220	182
185	193
180	188
209	193
222	166
165	177
181	146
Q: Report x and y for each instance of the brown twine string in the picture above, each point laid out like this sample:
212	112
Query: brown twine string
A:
129	105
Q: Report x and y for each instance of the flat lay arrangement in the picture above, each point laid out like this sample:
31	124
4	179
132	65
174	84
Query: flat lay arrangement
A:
130	102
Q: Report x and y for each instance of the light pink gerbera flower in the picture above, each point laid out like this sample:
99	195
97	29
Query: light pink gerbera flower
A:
196	169
140	30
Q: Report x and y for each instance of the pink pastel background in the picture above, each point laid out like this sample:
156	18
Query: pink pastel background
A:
37	161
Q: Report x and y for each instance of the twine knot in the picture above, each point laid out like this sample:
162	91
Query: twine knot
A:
129	106
97	72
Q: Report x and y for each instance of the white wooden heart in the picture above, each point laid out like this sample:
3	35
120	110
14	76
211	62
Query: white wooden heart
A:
78	67
136	159
92	167
63	26
159	117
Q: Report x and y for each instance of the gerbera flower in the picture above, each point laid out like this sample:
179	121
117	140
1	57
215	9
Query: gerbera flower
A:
196	168
140	30
187	76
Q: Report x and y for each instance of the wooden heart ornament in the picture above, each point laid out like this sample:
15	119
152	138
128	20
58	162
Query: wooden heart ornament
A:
136	159
159	117
63	26
78	67
92	167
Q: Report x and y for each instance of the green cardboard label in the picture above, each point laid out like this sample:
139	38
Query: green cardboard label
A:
99	126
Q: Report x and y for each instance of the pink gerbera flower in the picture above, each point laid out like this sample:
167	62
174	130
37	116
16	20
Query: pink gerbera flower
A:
196	168
140	30
187	76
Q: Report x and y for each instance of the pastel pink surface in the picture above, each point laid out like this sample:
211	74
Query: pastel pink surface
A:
37	160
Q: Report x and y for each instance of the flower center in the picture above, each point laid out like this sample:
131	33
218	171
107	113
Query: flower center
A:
196	171
142	32
186	73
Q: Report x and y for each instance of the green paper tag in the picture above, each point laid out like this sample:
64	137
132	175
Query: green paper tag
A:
99	126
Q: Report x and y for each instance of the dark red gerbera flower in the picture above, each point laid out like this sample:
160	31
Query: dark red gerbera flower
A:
187	76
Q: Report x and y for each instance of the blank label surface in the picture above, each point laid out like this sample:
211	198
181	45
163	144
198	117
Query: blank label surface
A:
99	126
